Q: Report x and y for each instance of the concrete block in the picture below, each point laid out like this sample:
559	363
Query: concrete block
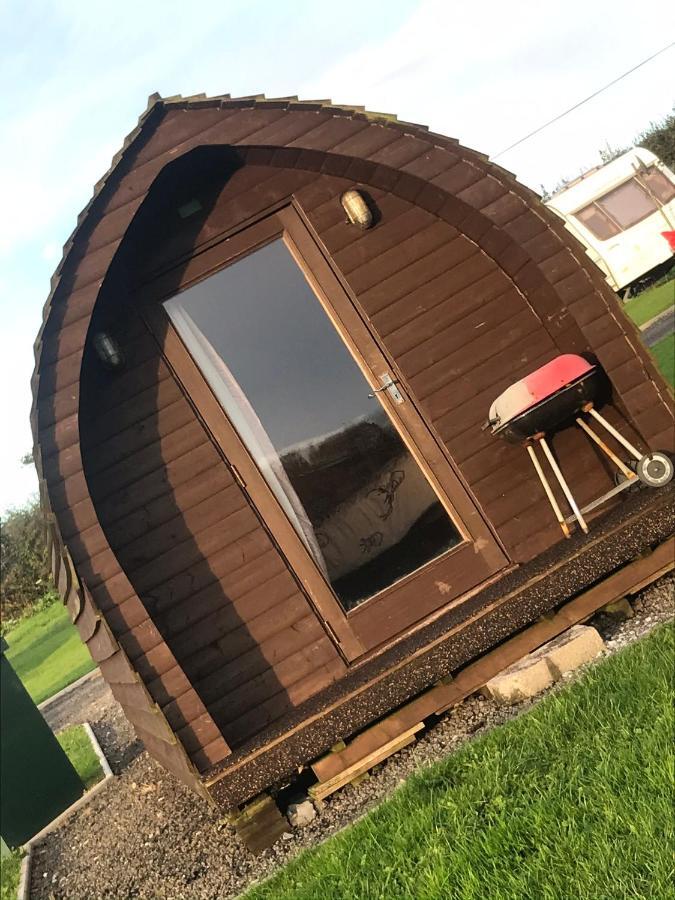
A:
301	814
540	669
524	679
572	649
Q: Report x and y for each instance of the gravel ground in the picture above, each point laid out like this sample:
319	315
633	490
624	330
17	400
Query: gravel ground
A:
145	836
80	703
93	702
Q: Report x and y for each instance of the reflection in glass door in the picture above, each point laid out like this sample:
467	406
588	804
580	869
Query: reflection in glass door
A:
304	410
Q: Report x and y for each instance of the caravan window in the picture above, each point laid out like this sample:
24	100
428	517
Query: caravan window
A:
626	205
598	223
660	186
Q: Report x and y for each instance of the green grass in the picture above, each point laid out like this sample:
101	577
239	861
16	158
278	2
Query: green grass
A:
46	652
77	746
664	354
651	302
10	869
573	800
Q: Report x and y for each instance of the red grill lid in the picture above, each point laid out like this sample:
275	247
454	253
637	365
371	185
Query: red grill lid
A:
544	382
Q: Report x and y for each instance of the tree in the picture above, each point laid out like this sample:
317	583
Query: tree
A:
608	153
660	139
24	574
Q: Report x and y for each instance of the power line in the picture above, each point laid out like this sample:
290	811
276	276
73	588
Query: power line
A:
585	100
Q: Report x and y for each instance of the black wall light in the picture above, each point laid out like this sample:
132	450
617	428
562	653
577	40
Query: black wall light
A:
108	350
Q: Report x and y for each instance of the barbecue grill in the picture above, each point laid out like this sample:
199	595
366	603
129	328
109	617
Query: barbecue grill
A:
562	391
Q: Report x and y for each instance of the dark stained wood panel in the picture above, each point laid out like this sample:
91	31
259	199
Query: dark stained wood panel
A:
351	251
442	303
233	640
162	451
185	555
178	128
231	558
273	709
109	451
395	304
262	571
303	640
163	393
494	316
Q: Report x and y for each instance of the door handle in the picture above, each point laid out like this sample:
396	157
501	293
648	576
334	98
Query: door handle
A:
388	385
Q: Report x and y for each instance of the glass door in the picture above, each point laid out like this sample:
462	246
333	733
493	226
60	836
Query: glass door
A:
369	513
318	433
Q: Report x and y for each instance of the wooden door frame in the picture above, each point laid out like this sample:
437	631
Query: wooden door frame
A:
285	221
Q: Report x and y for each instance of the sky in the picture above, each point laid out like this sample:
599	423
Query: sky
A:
76	74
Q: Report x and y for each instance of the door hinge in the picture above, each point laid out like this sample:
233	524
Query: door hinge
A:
237	476
331	631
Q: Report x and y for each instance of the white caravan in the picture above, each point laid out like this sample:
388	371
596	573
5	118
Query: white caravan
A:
624	213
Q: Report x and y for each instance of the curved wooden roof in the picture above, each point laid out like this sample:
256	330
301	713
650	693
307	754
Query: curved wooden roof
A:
505	219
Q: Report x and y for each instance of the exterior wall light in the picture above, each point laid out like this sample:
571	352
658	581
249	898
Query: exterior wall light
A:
358	212
108	350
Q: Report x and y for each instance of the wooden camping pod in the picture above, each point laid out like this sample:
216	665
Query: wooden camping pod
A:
215	627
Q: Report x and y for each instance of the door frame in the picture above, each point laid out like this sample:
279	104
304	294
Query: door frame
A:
375	622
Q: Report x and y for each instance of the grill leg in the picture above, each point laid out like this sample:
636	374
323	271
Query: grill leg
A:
563	484
630	475
612	430
549	493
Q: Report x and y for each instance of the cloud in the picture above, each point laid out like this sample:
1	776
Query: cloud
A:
490	73
67	117
51	252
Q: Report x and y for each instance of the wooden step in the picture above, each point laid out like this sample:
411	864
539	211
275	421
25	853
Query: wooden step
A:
346	775
260	824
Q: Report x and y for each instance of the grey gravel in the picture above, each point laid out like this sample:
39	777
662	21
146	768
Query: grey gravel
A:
146	836
81	703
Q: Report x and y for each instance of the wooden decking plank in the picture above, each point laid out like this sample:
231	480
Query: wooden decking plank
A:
324	788
260	824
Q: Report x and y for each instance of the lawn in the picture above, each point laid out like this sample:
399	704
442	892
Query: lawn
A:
574	799
10	868
651	302
664	353
46	652
75	741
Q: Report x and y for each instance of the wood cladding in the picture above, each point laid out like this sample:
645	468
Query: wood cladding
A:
173	514
467	281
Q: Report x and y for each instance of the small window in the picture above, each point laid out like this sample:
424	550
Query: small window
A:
597	222
659	185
